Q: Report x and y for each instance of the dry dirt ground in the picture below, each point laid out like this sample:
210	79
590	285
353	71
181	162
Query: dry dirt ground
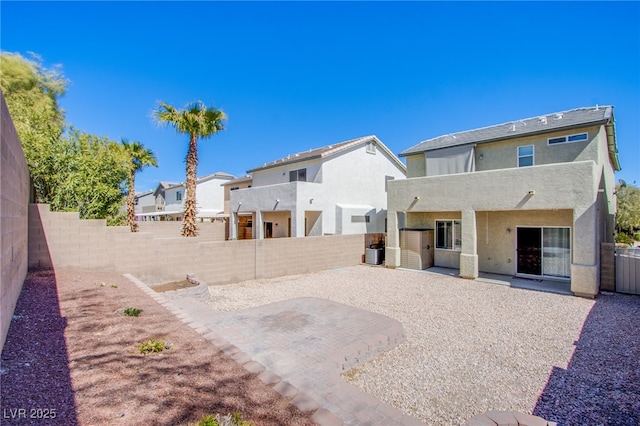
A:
72	358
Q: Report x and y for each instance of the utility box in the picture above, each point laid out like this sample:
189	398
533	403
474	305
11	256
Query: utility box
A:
416	248
374	256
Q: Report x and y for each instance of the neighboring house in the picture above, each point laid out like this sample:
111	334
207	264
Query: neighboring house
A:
532	198
154	203
209	197
337	189
244	223
144	202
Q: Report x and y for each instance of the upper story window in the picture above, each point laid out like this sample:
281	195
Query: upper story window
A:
448	234
525	156
569	138
299	175
360	219
179	196
371	147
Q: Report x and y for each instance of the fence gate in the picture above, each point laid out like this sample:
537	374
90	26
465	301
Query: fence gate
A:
628	270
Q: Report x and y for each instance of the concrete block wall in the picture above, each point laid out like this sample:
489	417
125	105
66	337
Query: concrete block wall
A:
214	231
62	240
14	199
607	267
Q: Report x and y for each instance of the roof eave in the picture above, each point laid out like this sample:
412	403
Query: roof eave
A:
412	151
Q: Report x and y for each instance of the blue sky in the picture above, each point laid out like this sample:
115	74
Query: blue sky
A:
299	75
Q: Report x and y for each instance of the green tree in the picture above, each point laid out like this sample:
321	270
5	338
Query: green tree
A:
90	176
199	122
628	214
140	157
32	94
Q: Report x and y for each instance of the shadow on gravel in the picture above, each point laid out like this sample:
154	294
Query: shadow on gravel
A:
602	382
35	380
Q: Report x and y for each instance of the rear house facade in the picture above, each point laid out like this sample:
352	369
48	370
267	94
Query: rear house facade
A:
337	189
532	198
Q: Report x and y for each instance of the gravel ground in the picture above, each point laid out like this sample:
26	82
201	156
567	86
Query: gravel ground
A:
473	346
71	358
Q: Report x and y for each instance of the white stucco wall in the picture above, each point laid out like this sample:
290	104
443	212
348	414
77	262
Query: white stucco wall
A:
148	201
353	179
210	194
171	204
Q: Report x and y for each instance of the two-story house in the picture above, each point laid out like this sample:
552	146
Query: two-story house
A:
150	205
337	189
531	198
209	197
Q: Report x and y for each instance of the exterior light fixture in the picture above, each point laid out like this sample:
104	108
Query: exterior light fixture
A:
532	193
416	198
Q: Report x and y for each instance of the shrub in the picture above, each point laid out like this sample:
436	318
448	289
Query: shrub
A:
623	238
152	345
132	312
234	419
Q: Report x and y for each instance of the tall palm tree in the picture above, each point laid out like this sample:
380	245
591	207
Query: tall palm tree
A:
139	157
199	122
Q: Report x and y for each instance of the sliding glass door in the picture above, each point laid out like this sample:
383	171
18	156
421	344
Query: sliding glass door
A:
543	251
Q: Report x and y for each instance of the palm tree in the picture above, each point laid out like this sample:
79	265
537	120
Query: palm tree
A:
197	121
139	157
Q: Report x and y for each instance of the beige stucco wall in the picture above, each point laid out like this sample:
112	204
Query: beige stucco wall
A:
14	199
62	240
504	154
425	220
569	186
497	235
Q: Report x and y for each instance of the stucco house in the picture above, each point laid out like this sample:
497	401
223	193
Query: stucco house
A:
144	202
531	198
209	198
151	204
336	189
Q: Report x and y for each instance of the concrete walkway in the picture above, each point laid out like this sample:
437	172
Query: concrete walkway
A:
301	346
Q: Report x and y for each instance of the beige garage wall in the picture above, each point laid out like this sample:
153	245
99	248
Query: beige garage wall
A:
14	199
62	240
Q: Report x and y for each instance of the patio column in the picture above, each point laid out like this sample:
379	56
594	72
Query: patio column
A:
392	248
297	223
258	226
233	226
585	273
469	254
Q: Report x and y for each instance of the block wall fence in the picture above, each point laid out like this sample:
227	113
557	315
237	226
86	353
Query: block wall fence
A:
62	240
14	199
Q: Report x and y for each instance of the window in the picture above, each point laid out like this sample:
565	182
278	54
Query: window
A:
233	188
525	156
360	219
570	138
371	147
448	234
179	196
298	175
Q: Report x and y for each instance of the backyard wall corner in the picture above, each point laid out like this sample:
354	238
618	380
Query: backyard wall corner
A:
14	201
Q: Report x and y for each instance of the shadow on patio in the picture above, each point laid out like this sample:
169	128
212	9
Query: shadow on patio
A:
601	384
35	376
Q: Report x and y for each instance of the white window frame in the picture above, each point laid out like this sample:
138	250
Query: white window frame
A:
549	277
533	155
178	195
456	240
567	137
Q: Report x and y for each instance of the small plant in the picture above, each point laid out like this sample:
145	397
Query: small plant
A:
234	419
132	312
110	285
152	345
